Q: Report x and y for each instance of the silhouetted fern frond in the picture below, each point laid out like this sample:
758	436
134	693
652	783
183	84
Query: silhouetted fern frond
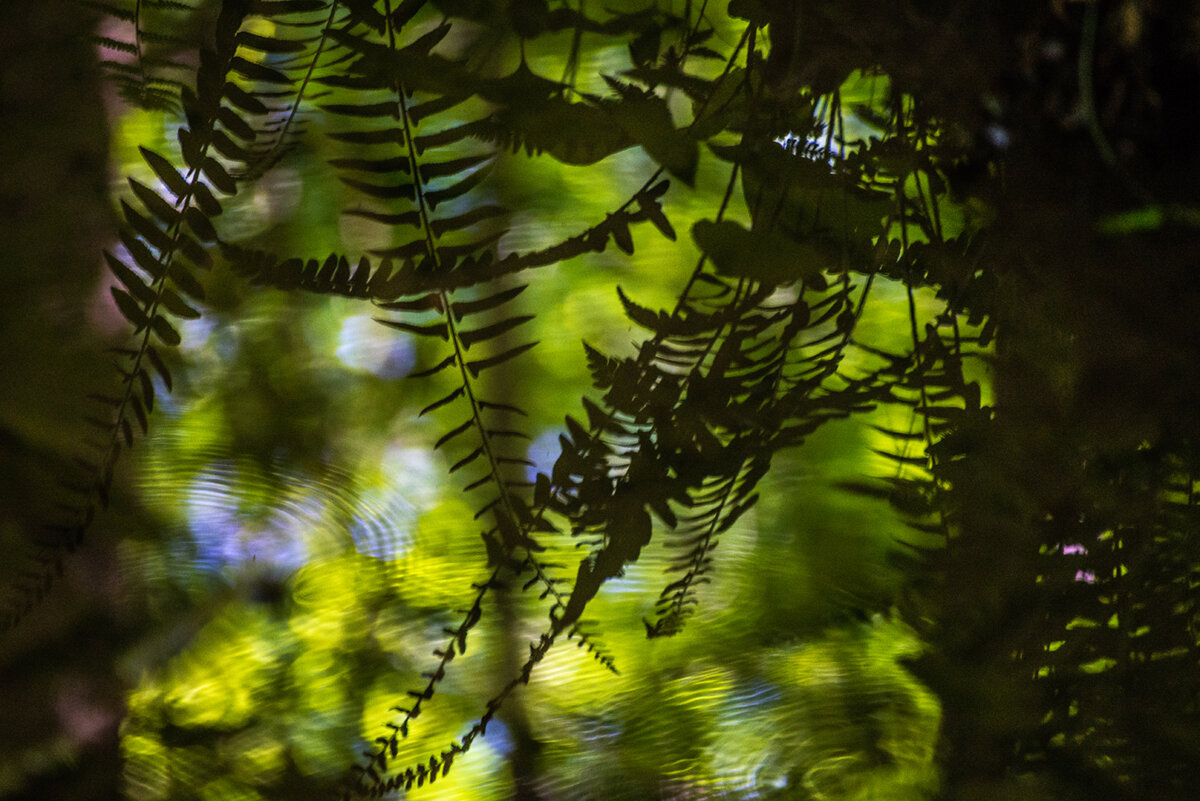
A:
388	278
280	73
162	248
139	41
370	781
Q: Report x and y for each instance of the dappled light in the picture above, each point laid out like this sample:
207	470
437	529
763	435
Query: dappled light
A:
552	400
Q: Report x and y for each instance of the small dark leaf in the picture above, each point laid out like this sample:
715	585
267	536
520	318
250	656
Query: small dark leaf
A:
430	302
501	407
458	189
235	124
486	478
199	224
139	411
141	254
448	136
620	233
469	338
655	214
420	111
186	282
132	281
448	255
437	368
147	389
219	176
268	44
177	305
166	173
205	200
146	229
228	148
386	108
440	330
466	460
160	366
463	308
453	396
377	166
477	366
165	331
129	308
242	99
409	250
258	72
432	170
382	136
382	191
166	213
460	221
412	218
454	432
193	250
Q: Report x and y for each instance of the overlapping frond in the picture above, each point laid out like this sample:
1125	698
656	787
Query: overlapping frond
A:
748	363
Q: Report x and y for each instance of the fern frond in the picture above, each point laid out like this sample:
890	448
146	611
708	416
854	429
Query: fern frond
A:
370	781
740	406
293	60
376	762
403	178
332	275
139	37
730	377
390	277
162	248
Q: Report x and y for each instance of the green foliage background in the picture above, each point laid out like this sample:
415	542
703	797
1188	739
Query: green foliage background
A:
969	571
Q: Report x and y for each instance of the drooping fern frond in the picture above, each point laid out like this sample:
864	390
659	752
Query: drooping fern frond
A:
281	71
138	42
929	380
395	164
162	246
371	777
772	374
406	777
607	477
